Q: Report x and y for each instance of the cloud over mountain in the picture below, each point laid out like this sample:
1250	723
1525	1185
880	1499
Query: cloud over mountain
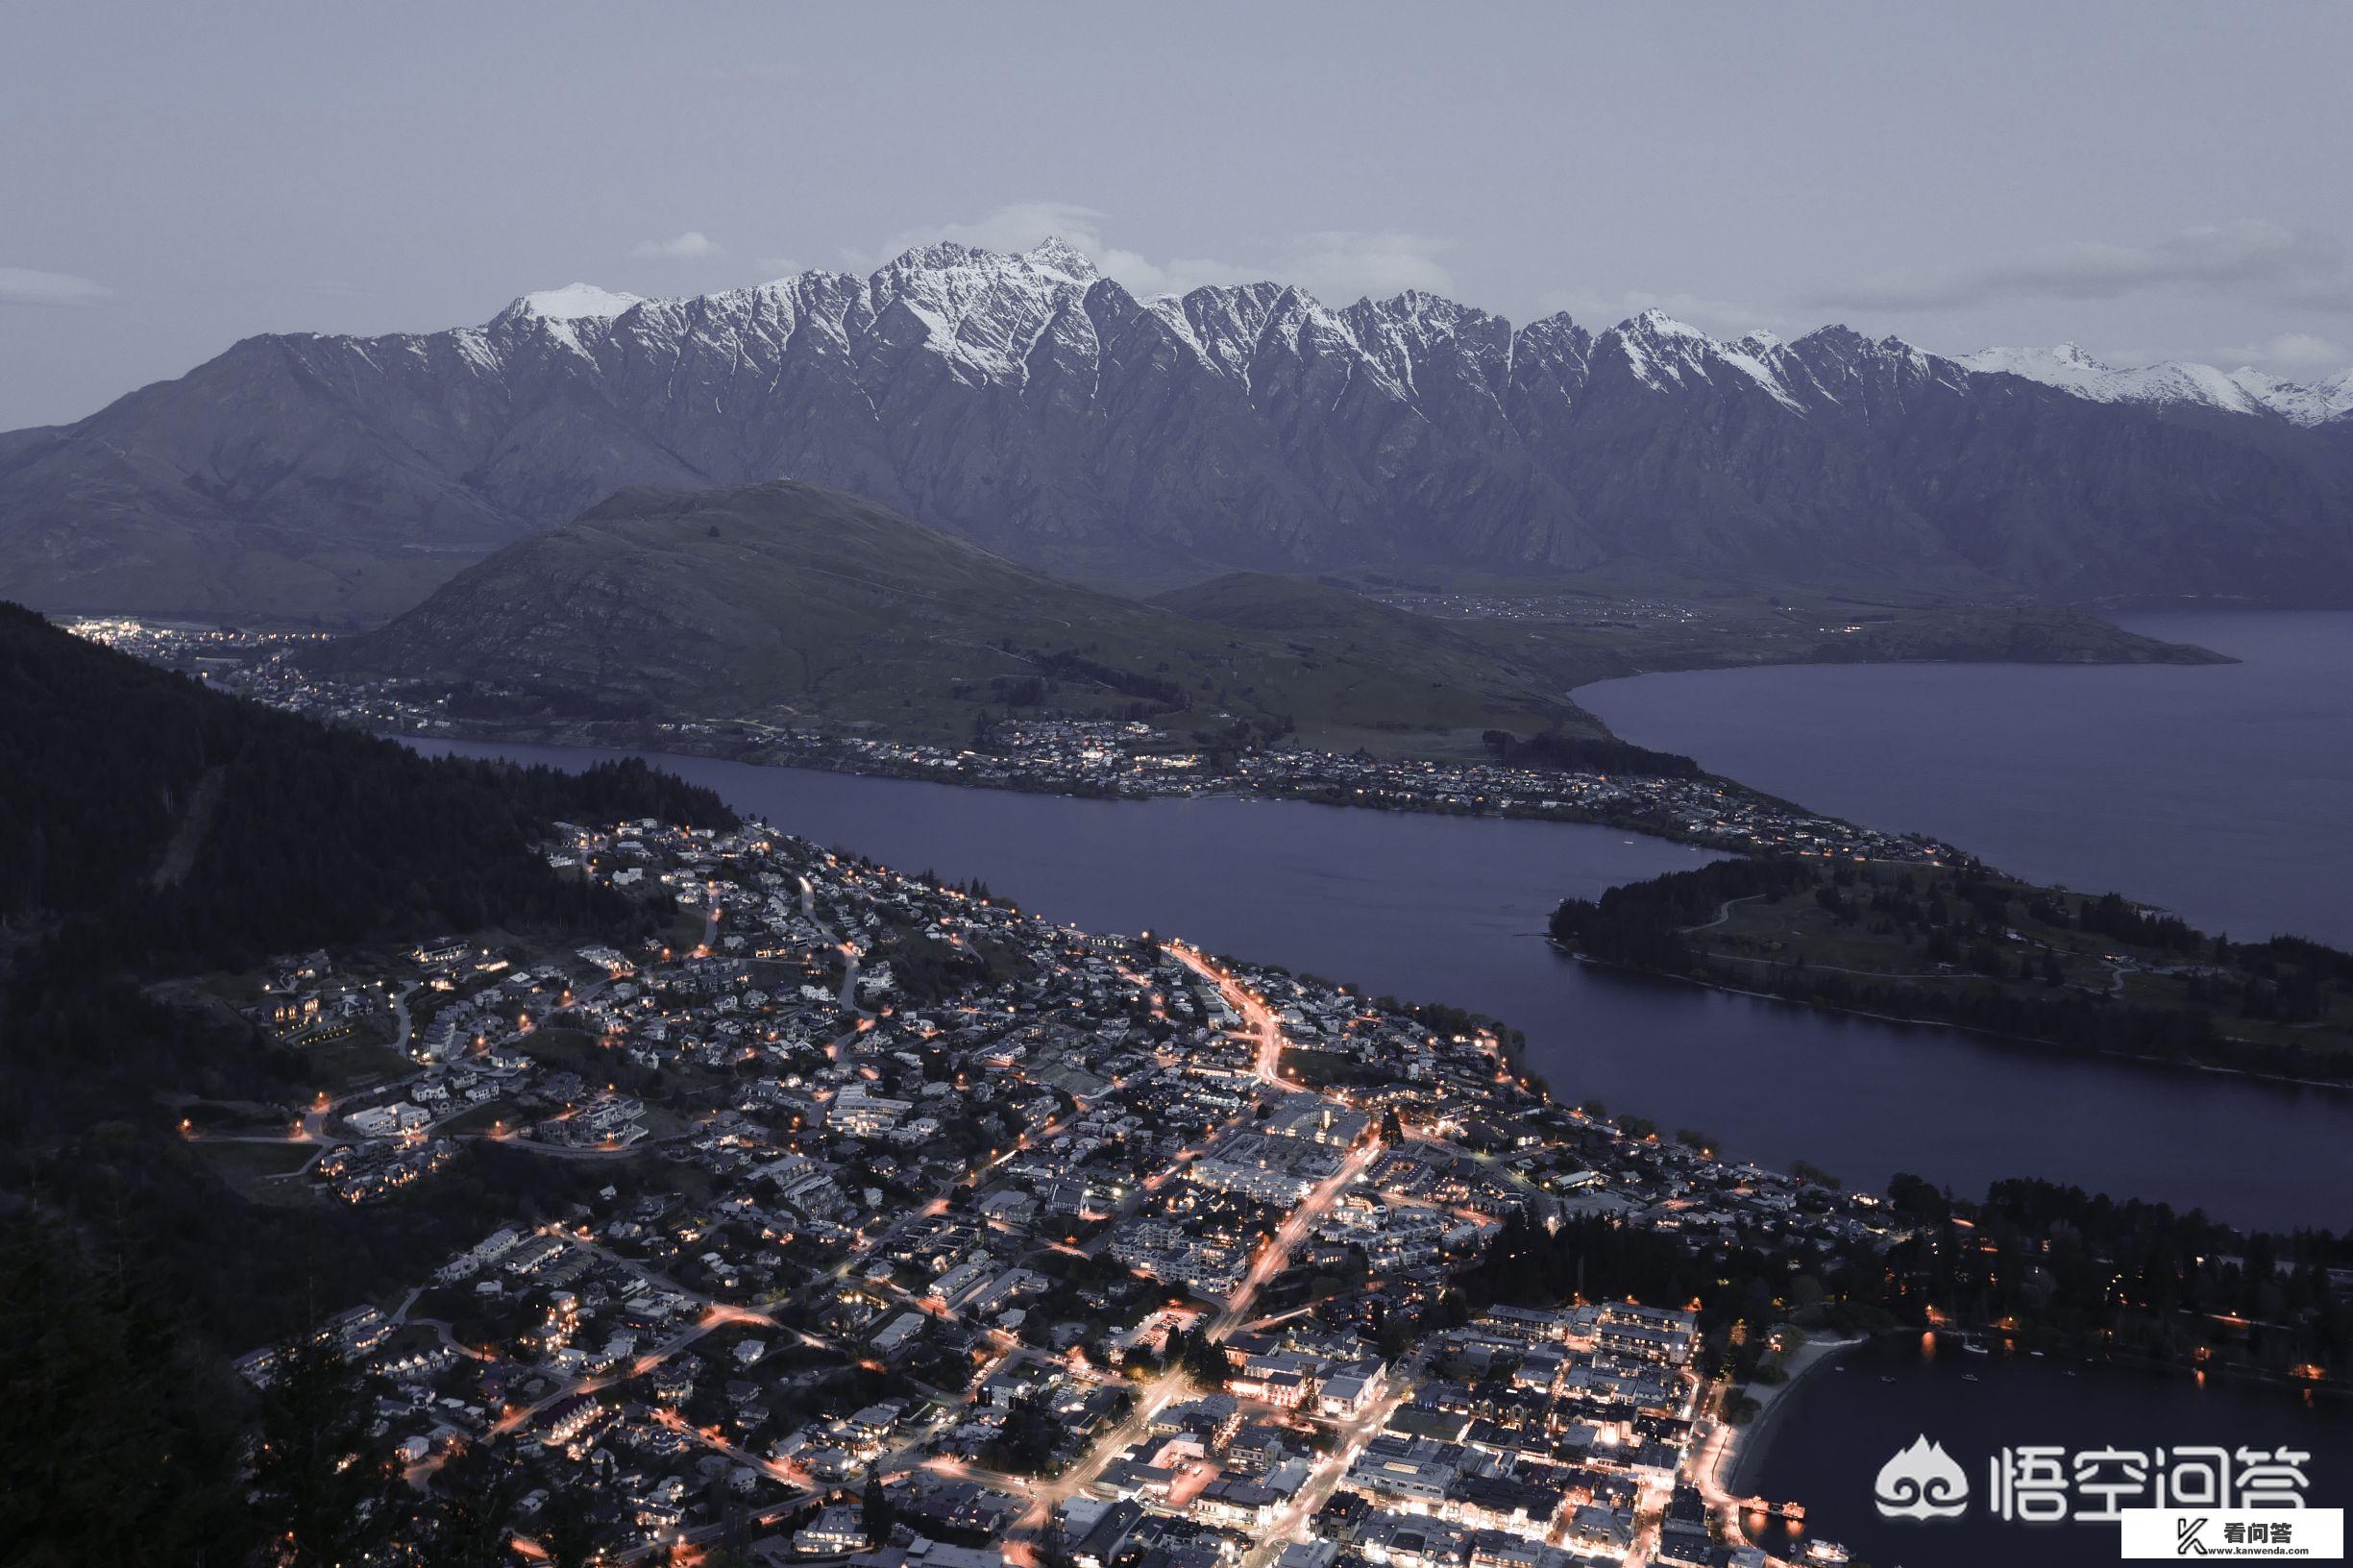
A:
2248	256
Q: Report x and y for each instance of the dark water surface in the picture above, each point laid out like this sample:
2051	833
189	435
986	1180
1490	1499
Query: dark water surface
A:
2221	792
1846	1419
1453	909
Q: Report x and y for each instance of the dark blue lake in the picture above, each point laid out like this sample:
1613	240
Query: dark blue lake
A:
2221	792
1844	1421
1453	909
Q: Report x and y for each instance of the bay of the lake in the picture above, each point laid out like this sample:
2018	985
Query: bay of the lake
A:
1453	909
2223	793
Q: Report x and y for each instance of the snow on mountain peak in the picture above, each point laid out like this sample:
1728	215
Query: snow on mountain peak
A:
575	302
995	314
2172	381
1662	349
1658	323
2066	365
1055	253
2306	402
1056	260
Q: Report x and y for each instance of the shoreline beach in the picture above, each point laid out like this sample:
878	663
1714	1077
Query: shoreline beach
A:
1737	1462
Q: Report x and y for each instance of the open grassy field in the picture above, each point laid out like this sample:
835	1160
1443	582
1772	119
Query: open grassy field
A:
262	1172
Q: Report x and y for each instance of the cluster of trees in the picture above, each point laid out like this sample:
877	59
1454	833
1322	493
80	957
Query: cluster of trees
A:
1641	924
1527	1266
117	1444
179	825
1203	1359
1075	665
1588	753
925	969
2128	1278
148	827
1049	668
123	1446
326	1491
1029	1440
1960	917
2288	979
2109	916
523	702
2058	1267
243	1273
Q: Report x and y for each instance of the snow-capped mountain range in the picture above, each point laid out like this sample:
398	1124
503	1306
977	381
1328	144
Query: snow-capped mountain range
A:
1028	403
2245	390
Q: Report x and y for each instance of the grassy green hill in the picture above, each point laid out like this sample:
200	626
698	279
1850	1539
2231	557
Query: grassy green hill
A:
787	602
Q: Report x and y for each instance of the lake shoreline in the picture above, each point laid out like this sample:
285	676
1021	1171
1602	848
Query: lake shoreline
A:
1744	1452
1247	791
753	752
2334	1086
1452	909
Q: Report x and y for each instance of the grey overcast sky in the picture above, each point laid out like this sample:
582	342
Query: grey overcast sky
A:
2151	180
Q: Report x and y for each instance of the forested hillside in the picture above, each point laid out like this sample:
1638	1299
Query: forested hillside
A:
173	824
152	829
1962	944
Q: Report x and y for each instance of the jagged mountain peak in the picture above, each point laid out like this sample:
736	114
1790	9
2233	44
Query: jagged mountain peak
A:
1055	253
1655	323
986	308
1054	260
1658	348
1668	355
1558	327
2060	364
1421	305
1034	405
1837	337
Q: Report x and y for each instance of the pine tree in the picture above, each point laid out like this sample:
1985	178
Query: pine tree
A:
319	1488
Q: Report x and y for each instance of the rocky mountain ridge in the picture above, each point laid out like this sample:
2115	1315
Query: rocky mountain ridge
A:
1035	406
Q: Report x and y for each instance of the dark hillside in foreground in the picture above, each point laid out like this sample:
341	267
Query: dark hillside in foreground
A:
187	826
149	829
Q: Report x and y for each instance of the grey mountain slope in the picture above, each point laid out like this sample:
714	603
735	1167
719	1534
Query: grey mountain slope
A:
1049	414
